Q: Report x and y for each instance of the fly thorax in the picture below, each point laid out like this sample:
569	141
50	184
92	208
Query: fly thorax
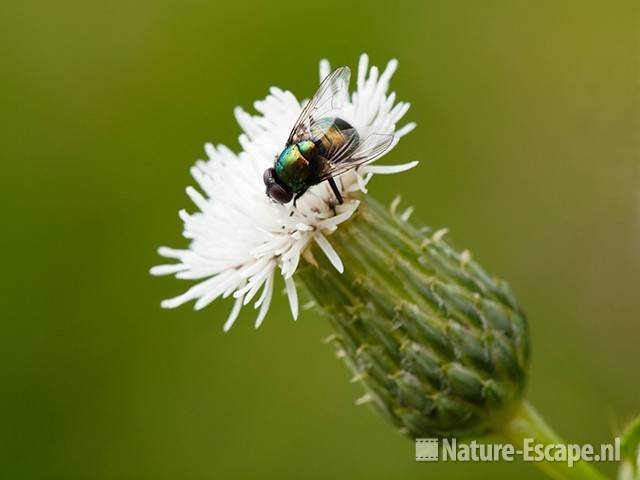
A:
293	165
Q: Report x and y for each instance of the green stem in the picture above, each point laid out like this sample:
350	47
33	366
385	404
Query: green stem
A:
527	423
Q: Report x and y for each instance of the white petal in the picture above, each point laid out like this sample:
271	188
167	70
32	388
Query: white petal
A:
159	270
341	217
362	184
386	169
293	296
362	70
328	250
171	252
325	69
235	311
193	292
265	300
406	129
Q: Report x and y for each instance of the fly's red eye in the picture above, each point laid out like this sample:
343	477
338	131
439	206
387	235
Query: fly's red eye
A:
278	193
267	176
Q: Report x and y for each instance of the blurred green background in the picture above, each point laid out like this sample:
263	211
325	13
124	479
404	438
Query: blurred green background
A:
528	121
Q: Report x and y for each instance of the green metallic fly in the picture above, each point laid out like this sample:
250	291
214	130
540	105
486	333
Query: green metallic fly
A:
322	145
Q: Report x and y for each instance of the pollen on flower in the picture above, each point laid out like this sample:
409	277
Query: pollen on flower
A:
239	238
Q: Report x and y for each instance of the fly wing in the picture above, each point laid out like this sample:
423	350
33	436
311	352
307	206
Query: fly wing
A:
331	96
367	150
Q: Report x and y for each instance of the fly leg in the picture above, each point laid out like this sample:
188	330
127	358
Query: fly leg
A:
336	192
298	195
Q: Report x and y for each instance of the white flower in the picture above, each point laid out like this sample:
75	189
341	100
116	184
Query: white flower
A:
239	237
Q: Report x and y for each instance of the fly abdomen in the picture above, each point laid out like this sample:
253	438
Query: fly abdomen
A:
333	136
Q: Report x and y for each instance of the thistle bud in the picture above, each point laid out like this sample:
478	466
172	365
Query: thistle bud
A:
440	347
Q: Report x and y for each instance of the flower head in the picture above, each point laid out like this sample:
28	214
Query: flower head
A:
240	237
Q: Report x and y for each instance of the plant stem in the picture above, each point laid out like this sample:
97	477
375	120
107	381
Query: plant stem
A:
528	423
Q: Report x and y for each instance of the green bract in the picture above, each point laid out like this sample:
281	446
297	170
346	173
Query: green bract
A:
440	347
